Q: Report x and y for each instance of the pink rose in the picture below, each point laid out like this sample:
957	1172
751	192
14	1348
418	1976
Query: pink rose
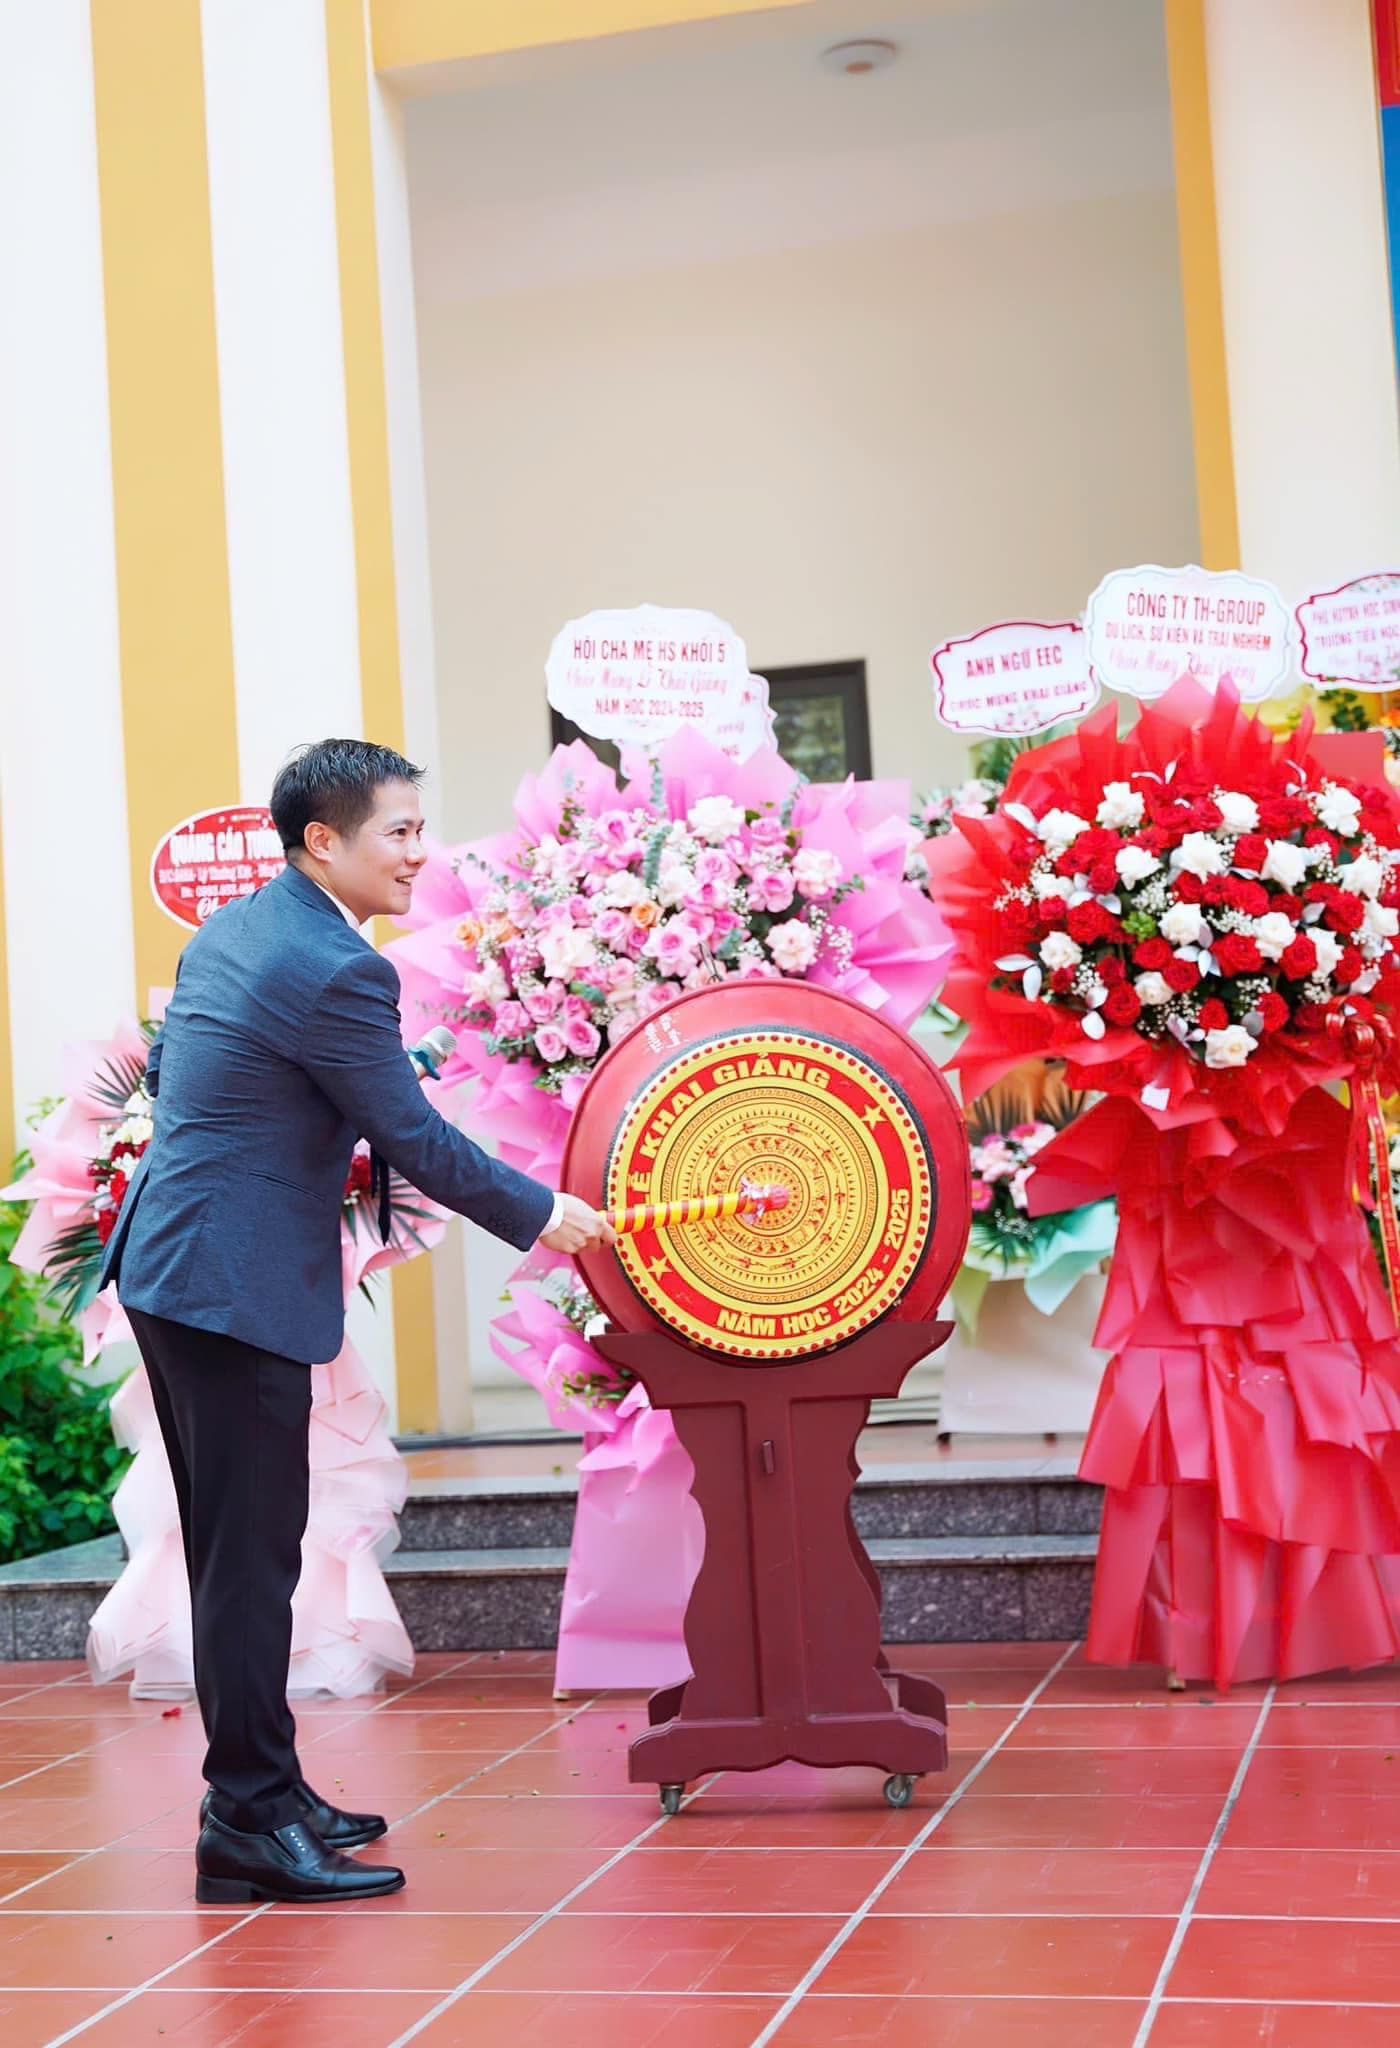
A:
574	1006
771	890
621	974
674	947
512	1021
543	1002
582	1037
612	927
816	873
551	1044
714	896
768	831
714	866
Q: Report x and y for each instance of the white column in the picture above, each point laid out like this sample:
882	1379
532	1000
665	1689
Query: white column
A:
291	539
1305	288
62	782
281	380
456	1262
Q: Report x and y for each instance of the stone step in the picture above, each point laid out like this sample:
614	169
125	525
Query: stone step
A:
995	1587
995	1498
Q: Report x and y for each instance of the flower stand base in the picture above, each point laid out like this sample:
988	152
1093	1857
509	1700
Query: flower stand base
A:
783	1626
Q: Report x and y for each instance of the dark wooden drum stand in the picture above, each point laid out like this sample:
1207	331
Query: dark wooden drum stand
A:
783	1626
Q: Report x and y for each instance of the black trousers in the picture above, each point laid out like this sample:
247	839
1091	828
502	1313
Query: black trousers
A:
234	1420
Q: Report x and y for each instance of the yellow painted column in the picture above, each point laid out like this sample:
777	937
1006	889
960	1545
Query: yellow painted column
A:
1199	236
178	708
381	683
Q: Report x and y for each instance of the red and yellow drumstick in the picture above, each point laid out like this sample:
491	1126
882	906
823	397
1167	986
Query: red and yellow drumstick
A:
750	1199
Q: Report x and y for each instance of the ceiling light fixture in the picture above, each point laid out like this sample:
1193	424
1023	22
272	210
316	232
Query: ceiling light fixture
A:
853	60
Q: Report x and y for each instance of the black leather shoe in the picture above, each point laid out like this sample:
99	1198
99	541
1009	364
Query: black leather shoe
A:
290	1864
337	1830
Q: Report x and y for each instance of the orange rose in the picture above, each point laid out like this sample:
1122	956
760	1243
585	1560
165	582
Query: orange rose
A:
469	931
646	914
499	930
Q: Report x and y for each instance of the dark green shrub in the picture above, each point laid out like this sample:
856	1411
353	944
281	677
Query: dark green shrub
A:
58	1464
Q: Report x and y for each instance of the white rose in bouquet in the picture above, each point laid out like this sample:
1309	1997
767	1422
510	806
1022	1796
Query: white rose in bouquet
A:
1228	1048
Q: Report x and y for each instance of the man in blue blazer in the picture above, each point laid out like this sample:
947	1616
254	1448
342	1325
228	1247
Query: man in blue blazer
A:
281	1047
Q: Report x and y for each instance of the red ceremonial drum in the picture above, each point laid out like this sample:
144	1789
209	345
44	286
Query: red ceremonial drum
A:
767	1335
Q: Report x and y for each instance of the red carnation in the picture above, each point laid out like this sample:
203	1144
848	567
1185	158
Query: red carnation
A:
1103	877
1348	967
1152	953
1122	1005
1084	921
1189	888
1062	981
106	1224
117	1187
1152	839
1205	815
1181	975
1054	910
1289	905
1250	897
1299	959
1279	815
1216	891
1214	1015
1251	851
1317	835
1273	1009
1345	913
1110	970
1309	1016
1237	954
1017	918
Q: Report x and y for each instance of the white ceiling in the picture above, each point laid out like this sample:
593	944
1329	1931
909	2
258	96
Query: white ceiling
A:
684	146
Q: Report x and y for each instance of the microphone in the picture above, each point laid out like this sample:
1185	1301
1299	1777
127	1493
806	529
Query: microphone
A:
432	1051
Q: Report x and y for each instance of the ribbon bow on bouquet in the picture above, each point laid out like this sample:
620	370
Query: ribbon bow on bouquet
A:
1367	1039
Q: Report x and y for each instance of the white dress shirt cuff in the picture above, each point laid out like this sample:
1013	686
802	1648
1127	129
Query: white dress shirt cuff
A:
554	1216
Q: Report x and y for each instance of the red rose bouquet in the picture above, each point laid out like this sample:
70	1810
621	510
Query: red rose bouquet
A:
1201	919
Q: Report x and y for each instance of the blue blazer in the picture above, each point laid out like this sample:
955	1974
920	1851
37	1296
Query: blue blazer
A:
282	1045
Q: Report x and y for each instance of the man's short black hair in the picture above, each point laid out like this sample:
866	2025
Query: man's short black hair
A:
334	782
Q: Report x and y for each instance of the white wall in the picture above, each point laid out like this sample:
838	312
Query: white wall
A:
853	448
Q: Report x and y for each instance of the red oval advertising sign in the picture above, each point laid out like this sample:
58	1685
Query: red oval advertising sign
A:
213	857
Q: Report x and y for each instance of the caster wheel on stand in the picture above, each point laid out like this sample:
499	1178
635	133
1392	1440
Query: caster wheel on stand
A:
899	1790
671	1797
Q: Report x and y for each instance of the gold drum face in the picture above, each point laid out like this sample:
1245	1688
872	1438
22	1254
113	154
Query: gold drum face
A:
777	1107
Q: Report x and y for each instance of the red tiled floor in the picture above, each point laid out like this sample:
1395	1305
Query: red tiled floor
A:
111	1950
339	1951
973	1957
1291	1960
1150	1726
1276	2026
952	1880
258	2019
824	2022
30	2019
1321	1879
738	1881
696	1953
1037	1910
529	2019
